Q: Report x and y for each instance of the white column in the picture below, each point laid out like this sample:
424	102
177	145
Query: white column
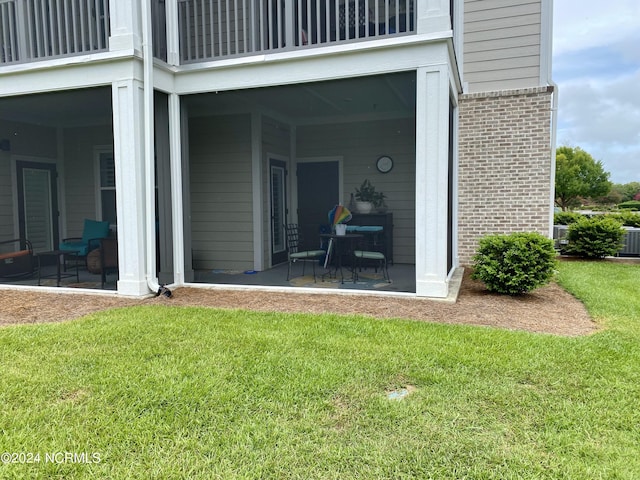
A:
433	16
126	25
432	143
177	205
289	34
256	183
128	121
173	35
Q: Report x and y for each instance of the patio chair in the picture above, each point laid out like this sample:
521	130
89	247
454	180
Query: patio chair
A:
92	232
295	255
16	258
104	259
378	259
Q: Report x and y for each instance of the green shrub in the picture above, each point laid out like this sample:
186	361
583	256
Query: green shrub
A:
566	218
627	218
516	263
630	205
594	237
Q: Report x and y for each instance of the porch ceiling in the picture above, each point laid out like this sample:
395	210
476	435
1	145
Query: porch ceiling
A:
393	94
383	95
90	106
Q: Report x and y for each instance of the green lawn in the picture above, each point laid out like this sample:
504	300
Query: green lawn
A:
170	392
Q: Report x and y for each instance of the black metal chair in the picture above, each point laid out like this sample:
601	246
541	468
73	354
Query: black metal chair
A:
296	255
371	254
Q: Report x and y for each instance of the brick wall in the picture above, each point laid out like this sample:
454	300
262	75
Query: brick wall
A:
505	164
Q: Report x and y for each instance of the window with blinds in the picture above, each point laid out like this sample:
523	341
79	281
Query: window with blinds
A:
108	187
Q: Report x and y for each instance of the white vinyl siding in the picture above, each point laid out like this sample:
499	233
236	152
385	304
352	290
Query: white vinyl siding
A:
221	196
501	44
360	144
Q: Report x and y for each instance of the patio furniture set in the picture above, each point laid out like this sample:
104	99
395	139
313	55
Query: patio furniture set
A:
349	249
96	250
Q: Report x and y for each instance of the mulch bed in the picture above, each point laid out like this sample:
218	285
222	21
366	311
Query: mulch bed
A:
549	309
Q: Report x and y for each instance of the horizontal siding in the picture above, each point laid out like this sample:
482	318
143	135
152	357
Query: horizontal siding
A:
81	192
360	144
499	55
522	63
471	6
505	35
501	44
221	194
508	74
492	17
498	25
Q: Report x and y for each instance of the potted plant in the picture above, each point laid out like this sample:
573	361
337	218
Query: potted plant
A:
367	198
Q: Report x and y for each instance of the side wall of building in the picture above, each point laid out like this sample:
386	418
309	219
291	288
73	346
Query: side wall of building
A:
221	195
502	44
505	164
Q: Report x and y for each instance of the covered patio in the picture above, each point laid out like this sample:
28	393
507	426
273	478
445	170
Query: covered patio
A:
403	279
347	124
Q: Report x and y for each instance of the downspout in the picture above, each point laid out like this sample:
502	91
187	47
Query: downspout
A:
548	13
149	166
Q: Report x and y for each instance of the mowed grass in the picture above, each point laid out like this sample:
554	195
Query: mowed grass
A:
170	392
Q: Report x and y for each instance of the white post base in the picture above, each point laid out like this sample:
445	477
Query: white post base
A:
432	288
133	288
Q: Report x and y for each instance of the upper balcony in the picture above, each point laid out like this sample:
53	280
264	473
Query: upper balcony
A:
32	30
215	29
206	30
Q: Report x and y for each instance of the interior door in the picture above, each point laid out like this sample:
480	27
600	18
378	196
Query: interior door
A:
277	177
37	204
318	192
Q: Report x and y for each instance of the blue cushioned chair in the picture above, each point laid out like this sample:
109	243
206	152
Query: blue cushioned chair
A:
92	232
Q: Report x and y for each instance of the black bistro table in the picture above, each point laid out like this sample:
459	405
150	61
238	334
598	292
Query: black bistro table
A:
339	246
58	255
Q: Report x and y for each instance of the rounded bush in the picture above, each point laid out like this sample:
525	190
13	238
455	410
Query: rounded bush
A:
627	218
630	205
566	218
514	264
595	237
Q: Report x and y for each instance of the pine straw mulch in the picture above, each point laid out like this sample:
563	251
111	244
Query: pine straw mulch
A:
549	309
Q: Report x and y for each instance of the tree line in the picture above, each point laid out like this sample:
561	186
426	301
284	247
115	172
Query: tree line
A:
582	180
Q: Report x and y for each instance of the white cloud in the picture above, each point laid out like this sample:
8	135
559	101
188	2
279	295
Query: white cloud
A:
580	25
597	68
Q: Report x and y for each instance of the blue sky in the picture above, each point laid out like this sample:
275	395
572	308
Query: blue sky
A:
596	65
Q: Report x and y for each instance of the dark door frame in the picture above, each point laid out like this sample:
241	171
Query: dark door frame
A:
21	165
281	217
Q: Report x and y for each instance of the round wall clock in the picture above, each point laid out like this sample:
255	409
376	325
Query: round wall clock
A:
384	164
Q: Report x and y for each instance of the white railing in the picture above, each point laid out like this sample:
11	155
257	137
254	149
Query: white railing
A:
211	29
36	29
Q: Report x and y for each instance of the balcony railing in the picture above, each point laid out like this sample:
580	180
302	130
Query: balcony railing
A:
214	29
32	30
37	29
